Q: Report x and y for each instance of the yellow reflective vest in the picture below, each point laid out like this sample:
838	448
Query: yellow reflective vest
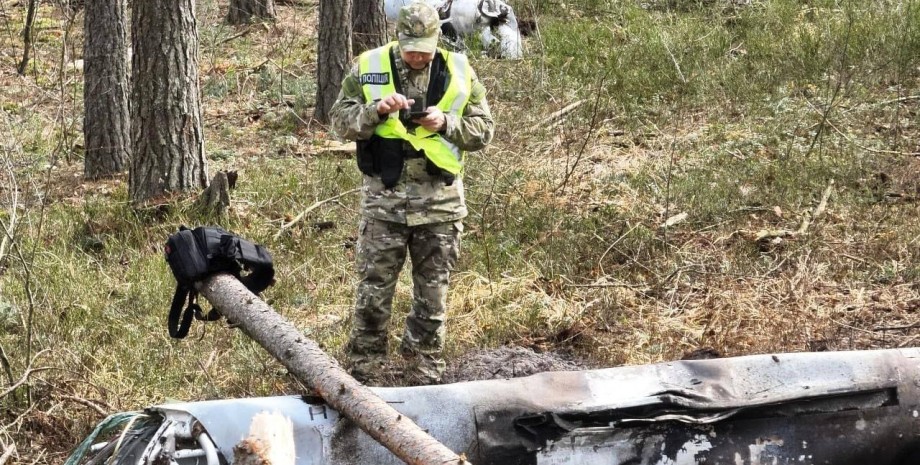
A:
378	81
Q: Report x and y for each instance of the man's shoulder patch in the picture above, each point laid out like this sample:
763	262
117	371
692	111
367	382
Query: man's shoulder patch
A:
380	79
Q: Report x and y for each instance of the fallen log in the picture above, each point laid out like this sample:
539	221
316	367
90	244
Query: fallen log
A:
306	360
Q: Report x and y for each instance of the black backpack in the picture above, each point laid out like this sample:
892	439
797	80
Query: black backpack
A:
195	254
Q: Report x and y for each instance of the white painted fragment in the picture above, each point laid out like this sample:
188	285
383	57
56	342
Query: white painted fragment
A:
860	425
687	454
754	452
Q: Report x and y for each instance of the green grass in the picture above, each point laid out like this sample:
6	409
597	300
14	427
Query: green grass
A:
740	117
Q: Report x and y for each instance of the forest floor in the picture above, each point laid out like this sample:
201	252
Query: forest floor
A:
722	182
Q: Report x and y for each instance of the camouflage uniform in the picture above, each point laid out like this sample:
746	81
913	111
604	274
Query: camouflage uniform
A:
421	214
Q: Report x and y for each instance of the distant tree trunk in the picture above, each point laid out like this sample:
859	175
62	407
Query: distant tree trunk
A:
70	7
106	129
27	37
370	25
310	364
242	11
166	135
333	55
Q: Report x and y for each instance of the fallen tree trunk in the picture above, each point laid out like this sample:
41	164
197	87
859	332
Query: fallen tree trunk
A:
308	362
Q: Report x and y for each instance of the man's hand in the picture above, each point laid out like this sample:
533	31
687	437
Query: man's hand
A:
391	103
434	122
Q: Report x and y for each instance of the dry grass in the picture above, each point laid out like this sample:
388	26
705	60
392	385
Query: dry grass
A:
566	248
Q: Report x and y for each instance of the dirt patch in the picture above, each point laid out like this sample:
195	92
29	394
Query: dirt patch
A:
507	362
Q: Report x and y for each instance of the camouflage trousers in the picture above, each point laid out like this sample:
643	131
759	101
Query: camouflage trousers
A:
381	253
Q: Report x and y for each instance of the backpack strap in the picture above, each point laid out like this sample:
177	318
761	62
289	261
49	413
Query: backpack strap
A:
212	315
179	323
179	329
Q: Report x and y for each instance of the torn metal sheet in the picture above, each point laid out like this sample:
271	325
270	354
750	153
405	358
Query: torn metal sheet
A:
838	408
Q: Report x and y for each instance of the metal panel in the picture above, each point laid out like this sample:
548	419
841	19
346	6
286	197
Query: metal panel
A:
839	408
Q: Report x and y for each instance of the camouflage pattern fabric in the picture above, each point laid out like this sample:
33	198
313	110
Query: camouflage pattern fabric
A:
418	197
419	215
382	245
418	27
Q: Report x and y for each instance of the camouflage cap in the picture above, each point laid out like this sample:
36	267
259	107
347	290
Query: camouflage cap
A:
418	27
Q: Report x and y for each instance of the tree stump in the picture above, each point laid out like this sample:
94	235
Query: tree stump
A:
243	11
217	196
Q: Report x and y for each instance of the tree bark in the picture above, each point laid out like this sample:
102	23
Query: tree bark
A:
242	11
27	37
333	54
370	25
305	359
106	120
166	135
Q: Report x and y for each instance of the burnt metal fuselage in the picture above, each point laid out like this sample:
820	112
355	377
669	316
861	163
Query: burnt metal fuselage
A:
833	408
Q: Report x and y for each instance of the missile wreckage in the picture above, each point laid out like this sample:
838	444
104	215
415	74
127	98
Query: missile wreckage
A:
837	408
493	22
823	408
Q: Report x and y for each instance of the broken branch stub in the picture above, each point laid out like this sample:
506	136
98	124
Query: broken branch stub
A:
304	358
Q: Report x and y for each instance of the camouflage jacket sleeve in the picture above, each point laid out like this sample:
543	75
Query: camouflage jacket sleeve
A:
474	129
352	118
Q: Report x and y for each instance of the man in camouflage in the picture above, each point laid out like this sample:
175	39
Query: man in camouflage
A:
412	194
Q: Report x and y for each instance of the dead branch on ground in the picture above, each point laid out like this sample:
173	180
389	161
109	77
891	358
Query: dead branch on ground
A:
556	117
310	209
242	33
7	453
767	235
26	374
88	403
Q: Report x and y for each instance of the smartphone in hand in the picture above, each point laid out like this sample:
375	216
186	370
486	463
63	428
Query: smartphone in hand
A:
418	109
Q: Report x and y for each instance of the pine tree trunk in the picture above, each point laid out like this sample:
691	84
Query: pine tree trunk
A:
106	121
333	54
27	37
166	134
242	11
305	359
370	25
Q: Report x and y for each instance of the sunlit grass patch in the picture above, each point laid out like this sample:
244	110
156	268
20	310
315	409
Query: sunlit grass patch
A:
622	230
